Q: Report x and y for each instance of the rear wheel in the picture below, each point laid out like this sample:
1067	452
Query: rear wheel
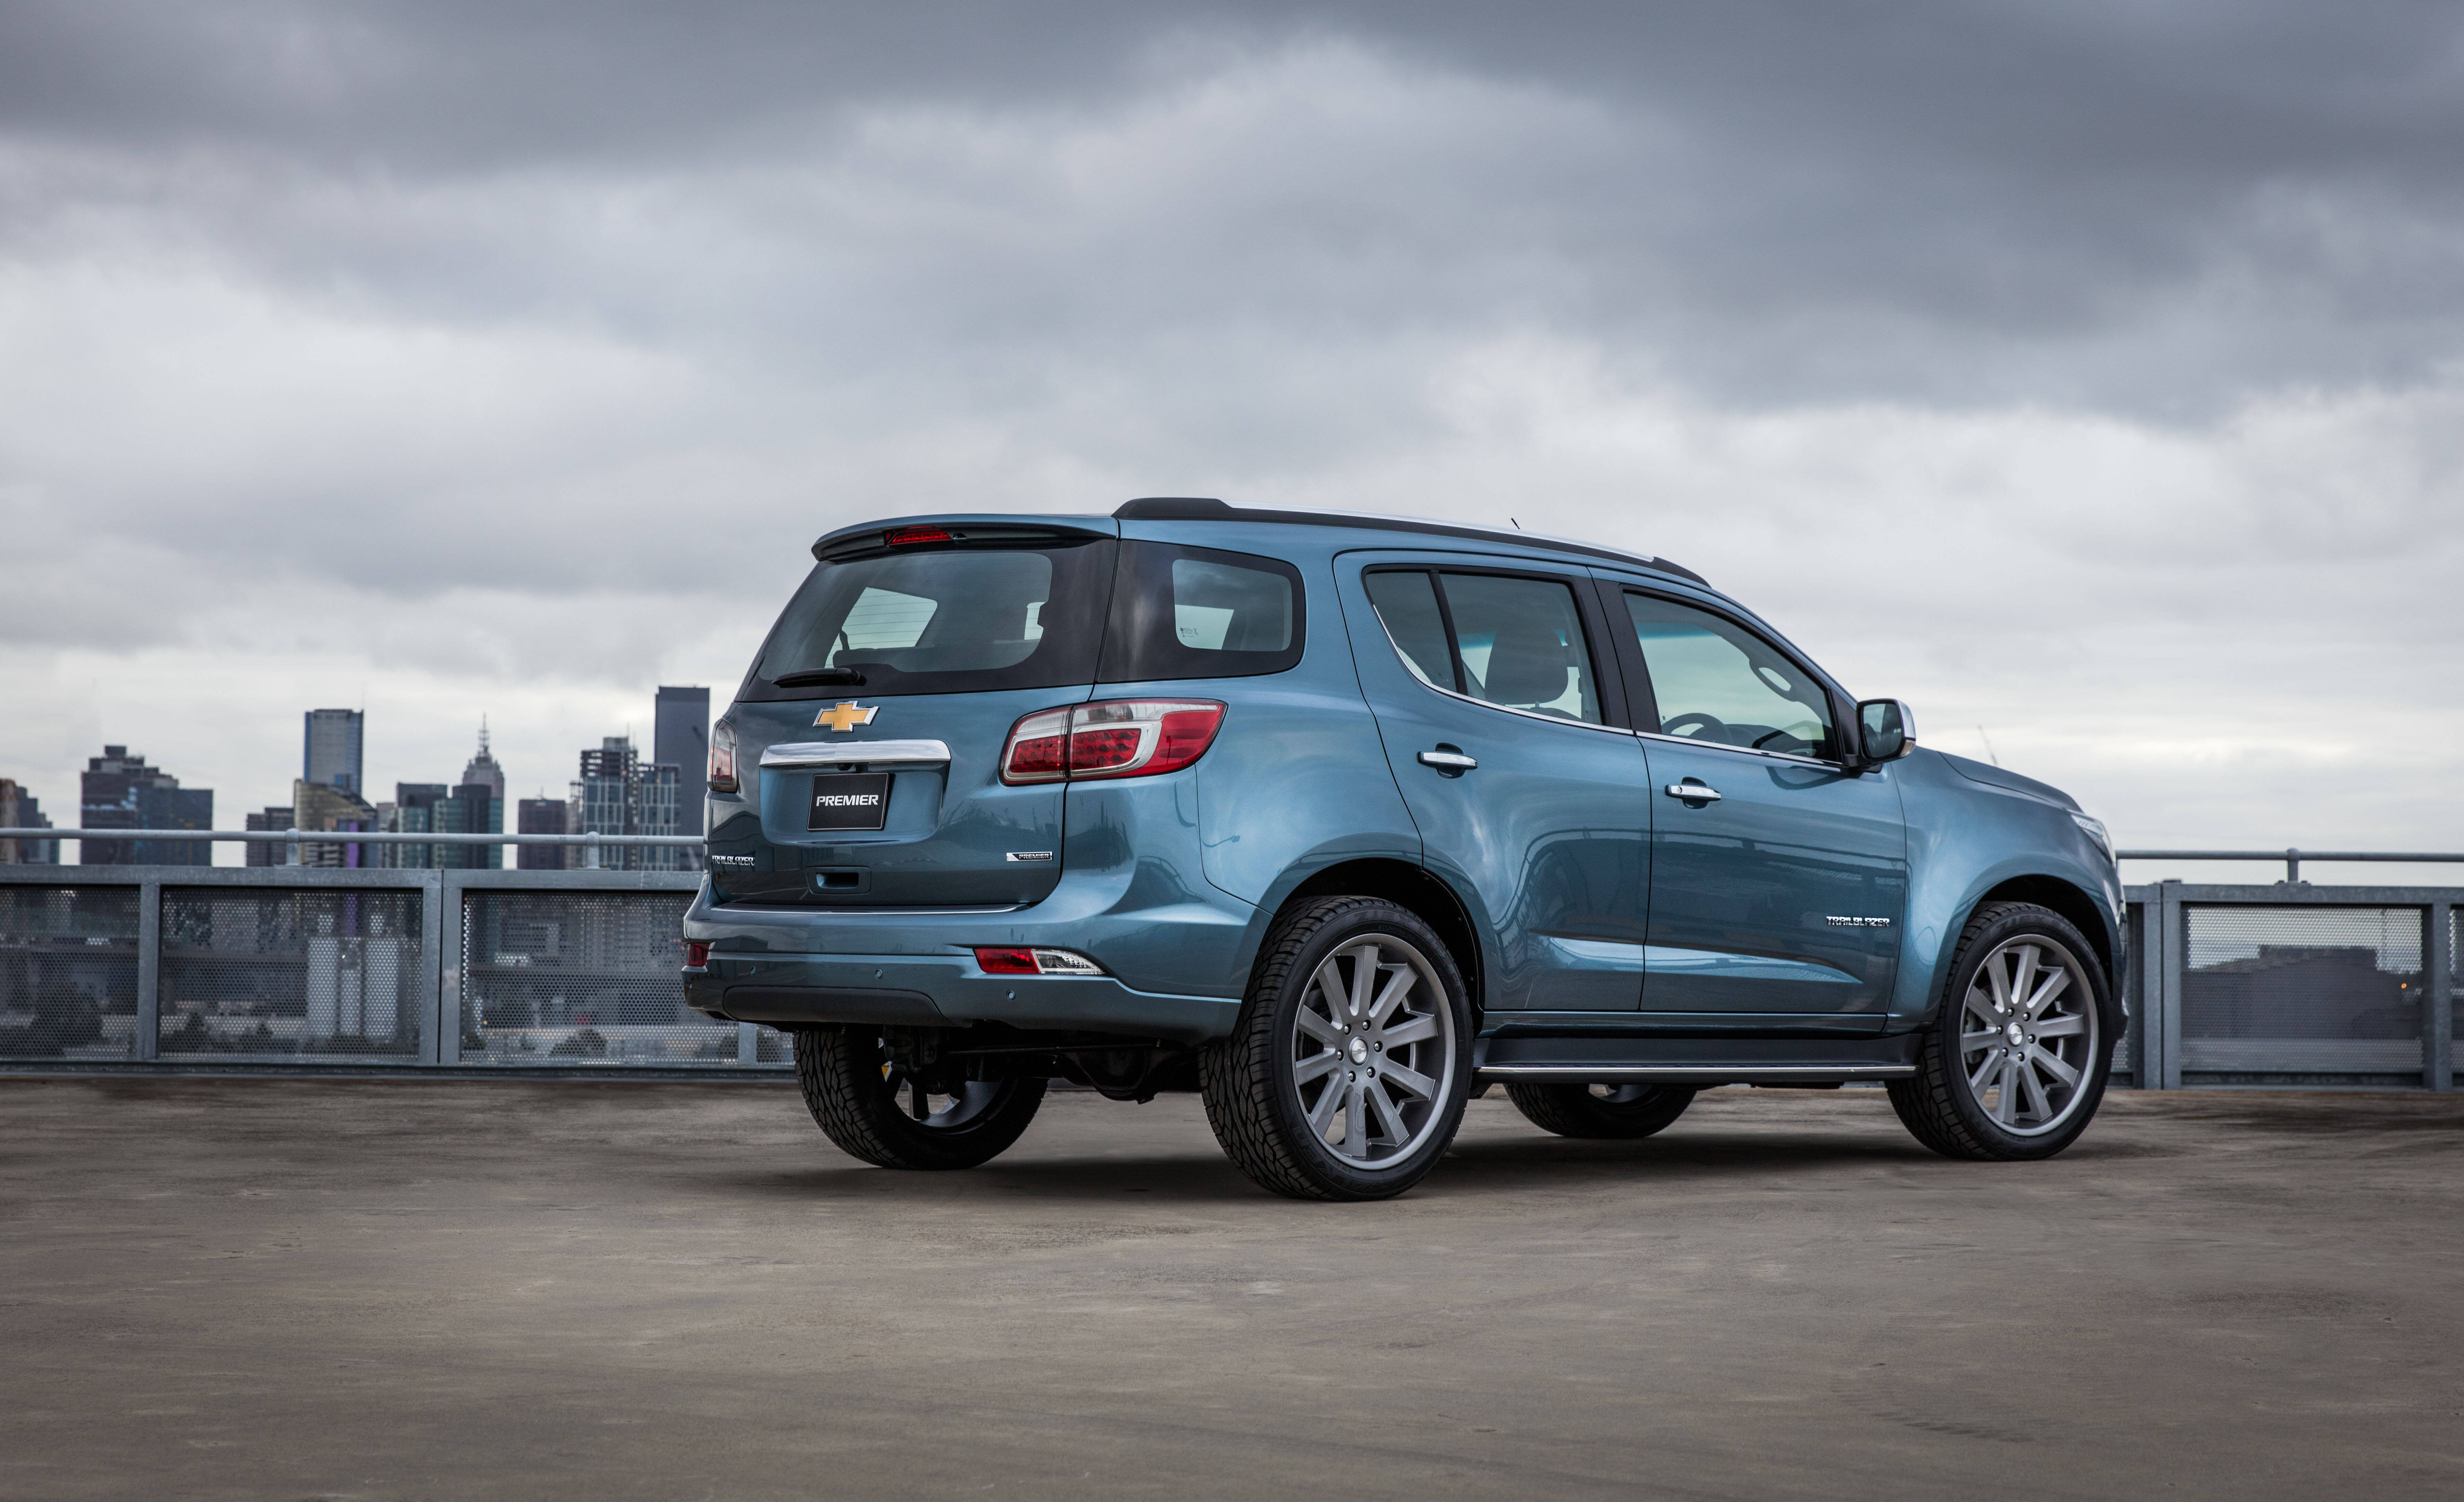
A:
886	1113
2016	1063
1346	1076
1600	1111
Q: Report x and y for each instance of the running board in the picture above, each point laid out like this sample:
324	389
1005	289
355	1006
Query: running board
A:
1695	1074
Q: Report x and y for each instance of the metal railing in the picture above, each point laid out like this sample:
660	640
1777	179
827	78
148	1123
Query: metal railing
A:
295	838
2293	858
324	970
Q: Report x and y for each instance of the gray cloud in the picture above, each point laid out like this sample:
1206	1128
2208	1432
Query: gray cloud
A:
513	356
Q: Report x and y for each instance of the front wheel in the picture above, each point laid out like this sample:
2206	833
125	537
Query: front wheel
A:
2016	1062
877	1109
1346	1076
1600	1111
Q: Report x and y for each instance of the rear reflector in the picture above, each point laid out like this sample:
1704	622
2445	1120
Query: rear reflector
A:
1110	738
697	955
909	537
1035	962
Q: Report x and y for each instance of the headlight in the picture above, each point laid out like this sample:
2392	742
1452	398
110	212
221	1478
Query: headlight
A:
2095	829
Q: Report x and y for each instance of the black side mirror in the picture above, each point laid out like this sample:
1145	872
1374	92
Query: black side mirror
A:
1885	730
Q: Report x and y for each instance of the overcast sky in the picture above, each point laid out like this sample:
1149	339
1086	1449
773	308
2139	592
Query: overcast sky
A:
2086	374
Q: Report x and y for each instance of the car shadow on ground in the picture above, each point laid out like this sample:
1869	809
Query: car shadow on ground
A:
1477	1166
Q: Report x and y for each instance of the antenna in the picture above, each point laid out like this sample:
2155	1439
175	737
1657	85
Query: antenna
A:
1988	747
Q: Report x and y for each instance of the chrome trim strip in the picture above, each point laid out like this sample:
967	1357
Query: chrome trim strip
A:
857	752
1714	746
1676	1074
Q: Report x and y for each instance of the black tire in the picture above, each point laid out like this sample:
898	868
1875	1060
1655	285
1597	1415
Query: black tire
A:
1944	1108
1621	1111
1261	1108
867	1107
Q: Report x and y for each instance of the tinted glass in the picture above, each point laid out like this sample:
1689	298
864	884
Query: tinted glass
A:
1197	612
1229	607
1519	642
1716	681
1408	604
942	619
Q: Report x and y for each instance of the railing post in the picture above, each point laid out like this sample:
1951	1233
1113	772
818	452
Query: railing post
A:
2167	949
2438	1023
450	898
293	858
149	971
591	856
444	1036
2293	867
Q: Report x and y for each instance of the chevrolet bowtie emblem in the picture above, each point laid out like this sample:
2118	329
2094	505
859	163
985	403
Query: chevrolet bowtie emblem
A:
845	714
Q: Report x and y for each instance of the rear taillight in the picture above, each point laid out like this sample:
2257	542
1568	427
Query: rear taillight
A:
697	955
1110	738
1035	962
722	757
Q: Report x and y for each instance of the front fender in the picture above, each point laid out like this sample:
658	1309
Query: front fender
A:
1969	839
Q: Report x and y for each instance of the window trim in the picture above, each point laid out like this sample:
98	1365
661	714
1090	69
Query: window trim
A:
1645	696
1608	690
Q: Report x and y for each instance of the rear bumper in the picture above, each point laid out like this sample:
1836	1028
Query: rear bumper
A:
938	992
1174	953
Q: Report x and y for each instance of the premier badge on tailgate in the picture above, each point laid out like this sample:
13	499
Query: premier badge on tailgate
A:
849	800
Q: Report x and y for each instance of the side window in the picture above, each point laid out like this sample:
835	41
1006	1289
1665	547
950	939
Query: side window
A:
1716	681
1195	613
1504	640
1408	605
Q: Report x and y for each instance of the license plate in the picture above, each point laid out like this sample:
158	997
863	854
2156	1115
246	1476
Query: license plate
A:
849	800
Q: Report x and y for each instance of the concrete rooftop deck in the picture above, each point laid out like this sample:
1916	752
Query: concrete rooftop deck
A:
292	1289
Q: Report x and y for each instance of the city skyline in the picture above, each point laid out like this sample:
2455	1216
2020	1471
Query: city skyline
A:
262	789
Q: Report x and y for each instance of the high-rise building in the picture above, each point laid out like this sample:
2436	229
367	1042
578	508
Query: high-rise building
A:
265	853
326	808
19	809
120	791
332	757
681	739
545	816
484	772
617	794
434	808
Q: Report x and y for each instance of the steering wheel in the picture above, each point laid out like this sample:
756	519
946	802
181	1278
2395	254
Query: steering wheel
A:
1713	727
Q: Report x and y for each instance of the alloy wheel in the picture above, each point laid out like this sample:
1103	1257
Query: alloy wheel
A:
2027	1035
1372	1046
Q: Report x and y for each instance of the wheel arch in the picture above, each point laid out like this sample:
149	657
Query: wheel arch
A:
1414	888
2054	894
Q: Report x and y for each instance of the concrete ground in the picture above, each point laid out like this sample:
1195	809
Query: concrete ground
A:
282	1289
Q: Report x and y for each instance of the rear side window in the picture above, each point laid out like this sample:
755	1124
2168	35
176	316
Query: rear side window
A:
1195	613
944	620
1502	639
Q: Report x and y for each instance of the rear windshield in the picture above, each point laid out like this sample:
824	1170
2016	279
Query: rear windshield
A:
940	620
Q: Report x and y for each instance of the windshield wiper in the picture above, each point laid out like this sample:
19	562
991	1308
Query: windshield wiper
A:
813	676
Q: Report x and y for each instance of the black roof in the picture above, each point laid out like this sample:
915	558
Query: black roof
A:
1206	508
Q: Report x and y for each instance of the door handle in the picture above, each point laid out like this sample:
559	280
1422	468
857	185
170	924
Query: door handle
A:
1692	792
1448	760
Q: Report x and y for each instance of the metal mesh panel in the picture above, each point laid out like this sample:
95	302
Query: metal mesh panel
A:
68	972
2455	970
2303	989
299	975
558	978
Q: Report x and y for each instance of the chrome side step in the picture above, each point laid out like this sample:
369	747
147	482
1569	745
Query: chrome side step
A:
1691	1074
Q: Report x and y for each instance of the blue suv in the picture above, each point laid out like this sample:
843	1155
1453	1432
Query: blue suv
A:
1339	821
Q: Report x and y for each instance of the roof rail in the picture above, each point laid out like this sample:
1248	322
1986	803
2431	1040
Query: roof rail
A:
1207	508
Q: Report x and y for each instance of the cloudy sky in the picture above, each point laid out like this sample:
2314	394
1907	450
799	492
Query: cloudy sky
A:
2087	374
